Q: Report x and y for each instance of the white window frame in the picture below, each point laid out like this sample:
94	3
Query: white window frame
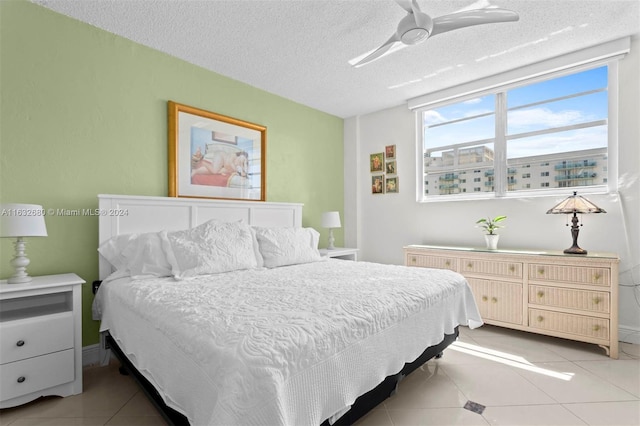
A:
605	54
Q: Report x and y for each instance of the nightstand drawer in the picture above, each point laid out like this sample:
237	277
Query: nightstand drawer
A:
570	274
591	301
569	324
491	268
438	262
33	374
30	337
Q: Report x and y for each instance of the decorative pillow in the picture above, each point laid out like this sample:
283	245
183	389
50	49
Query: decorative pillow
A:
210	248
137	255
288	246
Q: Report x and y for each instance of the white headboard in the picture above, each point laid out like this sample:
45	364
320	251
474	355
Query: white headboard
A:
127	214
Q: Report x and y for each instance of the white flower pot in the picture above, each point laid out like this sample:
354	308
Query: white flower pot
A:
492	241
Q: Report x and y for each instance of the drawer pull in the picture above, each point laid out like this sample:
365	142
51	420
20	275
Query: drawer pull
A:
596	277
485	298
540	318
541	294
494	299
20	343
596	328
596	300
512	268
447	263
413	259
21	379
470	265
541	271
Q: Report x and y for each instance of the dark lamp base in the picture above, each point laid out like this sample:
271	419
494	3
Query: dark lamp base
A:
575	250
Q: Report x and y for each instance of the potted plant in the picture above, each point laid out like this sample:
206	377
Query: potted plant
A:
490	226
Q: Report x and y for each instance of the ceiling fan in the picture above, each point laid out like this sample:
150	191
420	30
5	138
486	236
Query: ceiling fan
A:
417	26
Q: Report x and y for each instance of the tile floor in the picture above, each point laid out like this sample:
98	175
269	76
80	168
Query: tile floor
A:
519	378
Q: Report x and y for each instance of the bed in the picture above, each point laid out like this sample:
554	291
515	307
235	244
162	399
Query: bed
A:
271	333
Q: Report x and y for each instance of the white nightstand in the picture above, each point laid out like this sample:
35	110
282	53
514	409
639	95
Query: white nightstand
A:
40	338
341	253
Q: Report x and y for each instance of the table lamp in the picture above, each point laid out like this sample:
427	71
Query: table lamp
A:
573	205
331	220
19	221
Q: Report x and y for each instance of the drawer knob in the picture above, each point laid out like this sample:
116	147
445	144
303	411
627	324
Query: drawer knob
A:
20	343
494	299
596	328
485	298
21	379
413	260
541	293
596	300
596	277
541	271
512	268
540	318
470	265
447	263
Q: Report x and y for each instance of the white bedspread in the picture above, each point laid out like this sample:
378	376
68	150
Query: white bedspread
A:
285	346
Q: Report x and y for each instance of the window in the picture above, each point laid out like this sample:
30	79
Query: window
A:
553	132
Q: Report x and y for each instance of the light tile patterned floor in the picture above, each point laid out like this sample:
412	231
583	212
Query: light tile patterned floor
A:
520	379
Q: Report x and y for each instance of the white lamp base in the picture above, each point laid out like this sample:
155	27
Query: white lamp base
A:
19	263
331	240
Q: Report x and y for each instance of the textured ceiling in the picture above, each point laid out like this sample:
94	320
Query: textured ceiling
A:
299	49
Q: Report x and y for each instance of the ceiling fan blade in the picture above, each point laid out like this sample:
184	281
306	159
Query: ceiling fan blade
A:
407	5
386	48
468	18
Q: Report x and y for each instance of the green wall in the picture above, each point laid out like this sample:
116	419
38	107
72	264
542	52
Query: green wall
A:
84	112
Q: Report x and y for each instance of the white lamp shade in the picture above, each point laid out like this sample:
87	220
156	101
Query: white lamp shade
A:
331	220
22	220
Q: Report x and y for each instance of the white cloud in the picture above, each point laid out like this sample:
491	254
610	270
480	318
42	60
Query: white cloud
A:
433	117
473	101
543	118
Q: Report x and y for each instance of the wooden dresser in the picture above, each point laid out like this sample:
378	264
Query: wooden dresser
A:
569	296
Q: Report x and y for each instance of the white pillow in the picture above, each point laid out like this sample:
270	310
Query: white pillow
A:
288	246
137	255
210	248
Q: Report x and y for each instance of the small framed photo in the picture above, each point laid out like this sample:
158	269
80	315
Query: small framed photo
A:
391	185
390	151
376	162
377	184
390	167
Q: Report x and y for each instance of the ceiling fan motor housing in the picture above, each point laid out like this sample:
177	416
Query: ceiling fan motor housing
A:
414	28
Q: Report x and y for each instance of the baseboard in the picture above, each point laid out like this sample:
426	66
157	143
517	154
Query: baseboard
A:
629	334
92	355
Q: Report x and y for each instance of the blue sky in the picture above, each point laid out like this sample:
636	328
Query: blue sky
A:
537	117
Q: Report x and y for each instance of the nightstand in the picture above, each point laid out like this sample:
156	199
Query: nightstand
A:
40	338
341	253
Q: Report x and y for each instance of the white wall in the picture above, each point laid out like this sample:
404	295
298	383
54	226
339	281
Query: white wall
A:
380	225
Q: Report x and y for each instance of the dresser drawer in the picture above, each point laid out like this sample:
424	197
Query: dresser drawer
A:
491	268
429	261
33	374
583	300
30	337
577	325
570	274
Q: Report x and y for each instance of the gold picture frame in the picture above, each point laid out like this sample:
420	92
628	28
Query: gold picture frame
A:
215	156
